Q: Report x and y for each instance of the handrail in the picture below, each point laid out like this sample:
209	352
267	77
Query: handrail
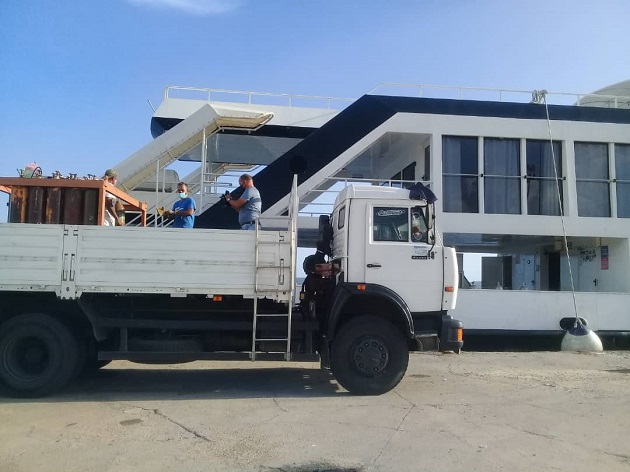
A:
250	95
578	98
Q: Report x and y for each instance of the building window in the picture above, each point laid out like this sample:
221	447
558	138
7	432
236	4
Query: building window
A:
460	171
427	164
591	171
502	176
622	175
408	173
542	192
390	224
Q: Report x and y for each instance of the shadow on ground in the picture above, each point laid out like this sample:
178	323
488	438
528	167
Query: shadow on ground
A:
115	384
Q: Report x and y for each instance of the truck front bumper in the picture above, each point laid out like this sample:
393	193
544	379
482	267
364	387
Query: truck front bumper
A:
451	335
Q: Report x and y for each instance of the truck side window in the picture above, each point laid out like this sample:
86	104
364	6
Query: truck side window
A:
418	225
341	218
390	224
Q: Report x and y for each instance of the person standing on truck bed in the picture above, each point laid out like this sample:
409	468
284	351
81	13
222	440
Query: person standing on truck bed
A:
111	218
183	212
248	205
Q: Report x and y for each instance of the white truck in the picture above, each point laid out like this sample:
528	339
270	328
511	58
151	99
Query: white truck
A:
74	298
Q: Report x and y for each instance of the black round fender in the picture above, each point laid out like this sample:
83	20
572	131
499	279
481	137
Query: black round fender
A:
352	292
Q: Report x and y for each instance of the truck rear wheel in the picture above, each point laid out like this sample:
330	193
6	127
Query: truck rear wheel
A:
38	355
369	356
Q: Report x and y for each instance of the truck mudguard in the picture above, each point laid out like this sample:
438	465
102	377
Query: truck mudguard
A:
345	291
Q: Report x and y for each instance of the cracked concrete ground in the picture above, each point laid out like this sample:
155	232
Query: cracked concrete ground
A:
472	412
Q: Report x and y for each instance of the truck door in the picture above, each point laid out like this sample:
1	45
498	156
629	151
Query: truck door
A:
398	256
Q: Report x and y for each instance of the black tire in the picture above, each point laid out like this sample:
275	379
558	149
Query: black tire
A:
38	355
369	356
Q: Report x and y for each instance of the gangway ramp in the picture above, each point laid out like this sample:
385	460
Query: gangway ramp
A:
315	152
180	139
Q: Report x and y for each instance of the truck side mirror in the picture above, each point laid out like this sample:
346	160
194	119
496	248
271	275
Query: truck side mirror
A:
428	215
430	212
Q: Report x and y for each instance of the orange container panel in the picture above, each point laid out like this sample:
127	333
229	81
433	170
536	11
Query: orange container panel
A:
63	201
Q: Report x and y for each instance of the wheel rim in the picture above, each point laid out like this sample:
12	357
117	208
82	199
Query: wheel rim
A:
27	357
370	356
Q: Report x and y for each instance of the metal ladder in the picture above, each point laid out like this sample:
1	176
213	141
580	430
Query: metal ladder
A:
262	292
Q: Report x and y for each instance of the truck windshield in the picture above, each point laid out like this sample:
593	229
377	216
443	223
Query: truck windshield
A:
390	224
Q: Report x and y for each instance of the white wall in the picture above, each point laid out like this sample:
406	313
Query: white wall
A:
4	209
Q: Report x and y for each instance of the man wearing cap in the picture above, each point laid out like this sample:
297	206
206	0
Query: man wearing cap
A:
248	205
110	218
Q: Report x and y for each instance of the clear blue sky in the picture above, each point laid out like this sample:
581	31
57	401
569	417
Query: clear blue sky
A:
75	75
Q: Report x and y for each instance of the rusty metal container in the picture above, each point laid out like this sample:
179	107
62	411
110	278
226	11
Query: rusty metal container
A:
90	207
63	201
53	206
35	206
18	204
73	206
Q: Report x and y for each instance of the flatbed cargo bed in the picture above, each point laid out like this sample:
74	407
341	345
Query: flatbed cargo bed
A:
72	260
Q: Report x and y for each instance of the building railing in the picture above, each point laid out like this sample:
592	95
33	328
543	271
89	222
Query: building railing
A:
260	98
497	94
399	89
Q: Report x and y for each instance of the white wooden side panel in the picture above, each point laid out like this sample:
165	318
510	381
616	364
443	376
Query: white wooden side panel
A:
31	257
161	260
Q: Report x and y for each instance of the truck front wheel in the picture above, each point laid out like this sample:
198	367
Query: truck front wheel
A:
369	356
38	355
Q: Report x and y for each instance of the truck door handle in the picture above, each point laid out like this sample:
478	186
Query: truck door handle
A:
371	266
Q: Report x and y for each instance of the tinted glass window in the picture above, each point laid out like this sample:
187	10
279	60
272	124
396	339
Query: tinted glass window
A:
460	174
541	185
390	224
591	170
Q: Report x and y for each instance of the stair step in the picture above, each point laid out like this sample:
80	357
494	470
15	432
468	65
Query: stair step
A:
272	339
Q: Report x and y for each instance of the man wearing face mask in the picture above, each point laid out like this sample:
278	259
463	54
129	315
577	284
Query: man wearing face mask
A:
183	213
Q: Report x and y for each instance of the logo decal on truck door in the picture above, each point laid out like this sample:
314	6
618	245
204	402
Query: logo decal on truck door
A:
391	212
420	252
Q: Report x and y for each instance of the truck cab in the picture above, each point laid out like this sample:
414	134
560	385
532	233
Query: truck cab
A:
387	289
384	238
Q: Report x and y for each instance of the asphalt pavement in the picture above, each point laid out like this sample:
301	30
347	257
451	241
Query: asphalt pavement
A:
478	411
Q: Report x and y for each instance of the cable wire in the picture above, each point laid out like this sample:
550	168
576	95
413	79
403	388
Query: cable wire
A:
537	97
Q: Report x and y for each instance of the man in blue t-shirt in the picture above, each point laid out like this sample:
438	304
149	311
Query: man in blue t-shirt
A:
183	213
248	205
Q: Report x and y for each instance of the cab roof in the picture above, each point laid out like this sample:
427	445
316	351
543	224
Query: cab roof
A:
375	192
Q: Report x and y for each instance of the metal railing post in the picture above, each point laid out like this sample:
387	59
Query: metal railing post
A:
204	162
157	190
